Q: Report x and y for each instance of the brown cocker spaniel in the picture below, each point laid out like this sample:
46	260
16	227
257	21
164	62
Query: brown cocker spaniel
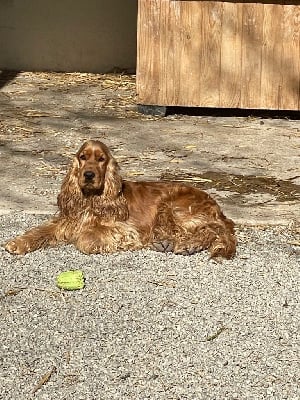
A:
101	213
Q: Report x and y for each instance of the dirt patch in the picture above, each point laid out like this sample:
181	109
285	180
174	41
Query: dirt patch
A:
241	184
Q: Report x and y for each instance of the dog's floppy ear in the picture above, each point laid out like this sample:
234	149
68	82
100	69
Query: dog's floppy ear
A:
113	180
70	199
111	205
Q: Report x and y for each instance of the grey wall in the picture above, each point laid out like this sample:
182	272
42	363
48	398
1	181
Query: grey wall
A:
68	35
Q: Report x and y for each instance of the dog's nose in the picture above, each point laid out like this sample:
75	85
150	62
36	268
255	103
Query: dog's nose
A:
89	175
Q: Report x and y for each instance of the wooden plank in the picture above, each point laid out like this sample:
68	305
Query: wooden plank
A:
231	55
210	53
289	98
169	51
271	68
251	55
188	47
148	50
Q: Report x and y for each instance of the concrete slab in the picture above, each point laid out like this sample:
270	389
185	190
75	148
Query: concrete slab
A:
250	165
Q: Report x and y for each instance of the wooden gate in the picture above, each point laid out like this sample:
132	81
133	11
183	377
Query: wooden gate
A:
219	54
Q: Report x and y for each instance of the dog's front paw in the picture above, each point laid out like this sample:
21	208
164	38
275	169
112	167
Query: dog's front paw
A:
187	250
163	246
16	246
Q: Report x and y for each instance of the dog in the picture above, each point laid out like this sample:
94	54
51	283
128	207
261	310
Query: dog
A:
99	213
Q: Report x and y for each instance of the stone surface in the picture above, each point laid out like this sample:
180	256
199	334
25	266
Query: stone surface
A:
249	164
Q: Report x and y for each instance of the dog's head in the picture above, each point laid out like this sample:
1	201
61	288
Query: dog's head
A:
95	165
93	174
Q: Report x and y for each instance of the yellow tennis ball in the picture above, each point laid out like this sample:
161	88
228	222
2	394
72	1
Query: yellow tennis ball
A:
70	280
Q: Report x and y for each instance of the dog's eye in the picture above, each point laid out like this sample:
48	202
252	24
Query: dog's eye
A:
82	157
101	159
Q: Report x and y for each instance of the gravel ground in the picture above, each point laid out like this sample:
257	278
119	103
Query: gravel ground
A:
149	325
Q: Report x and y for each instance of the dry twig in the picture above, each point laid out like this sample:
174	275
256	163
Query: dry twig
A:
44	379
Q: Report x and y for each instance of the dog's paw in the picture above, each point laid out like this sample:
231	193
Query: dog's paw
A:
16	246
187	251
163	246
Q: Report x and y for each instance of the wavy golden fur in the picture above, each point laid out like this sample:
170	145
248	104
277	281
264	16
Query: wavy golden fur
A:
101	213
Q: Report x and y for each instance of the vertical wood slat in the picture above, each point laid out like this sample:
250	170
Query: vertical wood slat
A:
171	70
148	57
209	59
251	55
290	94
272	46
218	54
231	56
